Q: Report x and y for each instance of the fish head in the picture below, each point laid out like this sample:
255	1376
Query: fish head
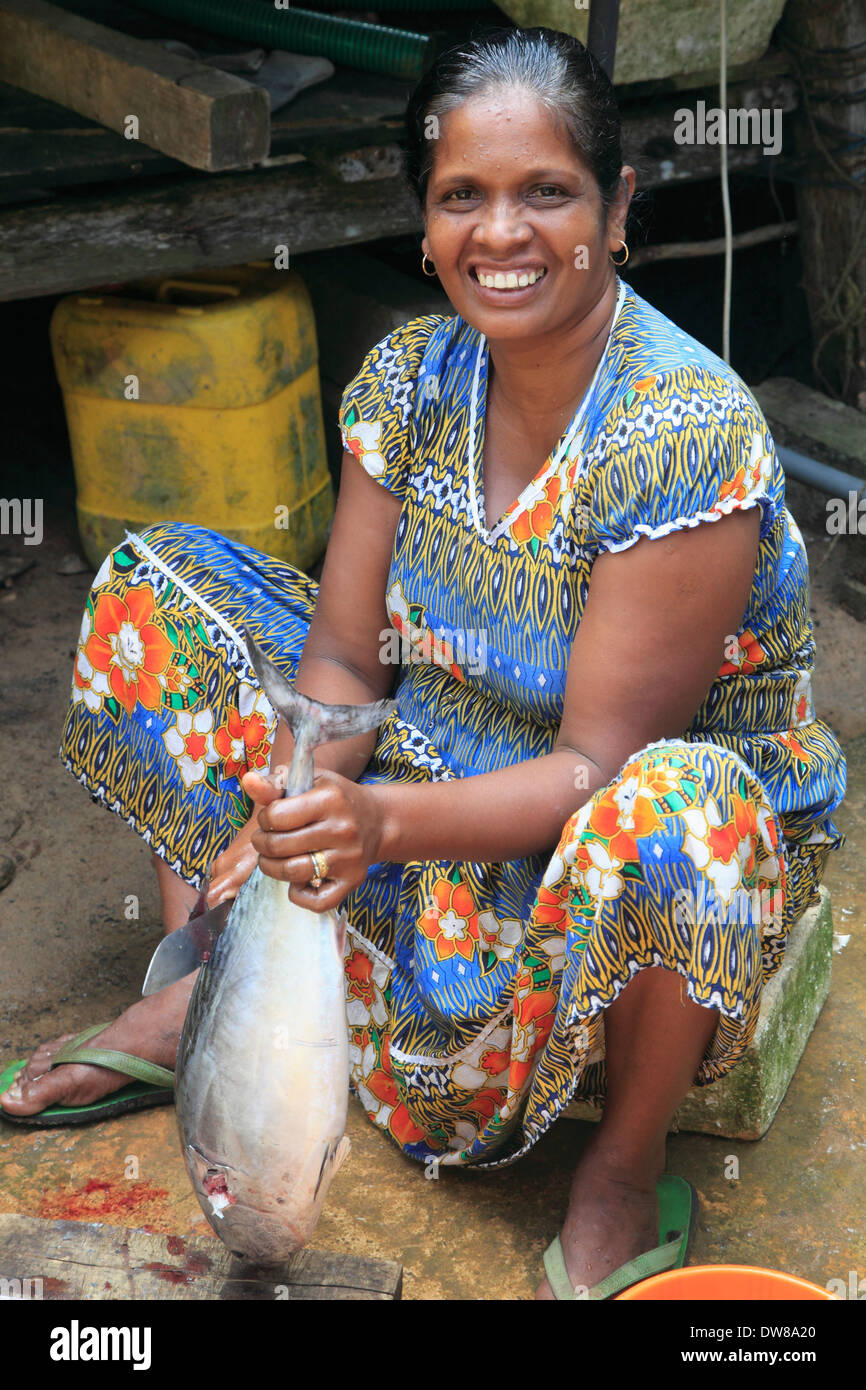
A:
266	1228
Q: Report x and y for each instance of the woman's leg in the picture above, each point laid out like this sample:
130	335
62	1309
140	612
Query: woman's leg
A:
150	1028
654	1042
160	728
676	888
177	897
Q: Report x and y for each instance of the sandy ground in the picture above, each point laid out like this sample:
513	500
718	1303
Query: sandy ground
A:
70	957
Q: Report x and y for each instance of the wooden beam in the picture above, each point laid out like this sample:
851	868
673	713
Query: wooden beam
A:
714	246
87	1260
206	118
188	224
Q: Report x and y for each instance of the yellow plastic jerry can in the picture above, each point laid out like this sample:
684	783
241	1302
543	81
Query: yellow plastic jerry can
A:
197	400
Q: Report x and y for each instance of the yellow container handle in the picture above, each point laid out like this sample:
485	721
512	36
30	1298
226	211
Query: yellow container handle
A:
196	287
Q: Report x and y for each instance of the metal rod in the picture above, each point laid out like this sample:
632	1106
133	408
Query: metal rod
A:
601	38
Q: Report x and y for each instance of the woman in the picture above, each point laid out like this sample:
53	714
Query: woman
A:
571	858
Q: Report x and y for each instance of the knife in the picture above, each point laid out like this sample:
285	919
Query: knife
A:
186	948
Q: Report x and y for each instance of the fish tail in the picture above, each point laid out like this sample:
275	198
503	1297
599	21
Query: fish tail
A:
311	721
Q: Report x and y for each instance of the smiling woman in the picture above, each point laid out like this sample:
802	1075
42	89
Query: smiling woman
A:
569	868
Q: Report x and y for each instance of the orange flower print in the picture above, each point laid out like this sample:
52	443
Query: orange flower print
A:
128	647
791	742
485	1064
751	477
404	1128
743	656
424	644
534	523
735	487
550	910
243	742
359	972
451	921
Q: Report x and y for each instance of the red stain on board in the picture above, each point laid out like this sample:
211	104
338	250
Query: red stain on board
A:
175	1245
53	1288
118	1203
170	1275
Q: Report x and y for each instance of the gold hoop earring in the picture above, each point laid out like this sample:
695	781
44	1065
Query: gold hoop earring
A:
624	259
430	273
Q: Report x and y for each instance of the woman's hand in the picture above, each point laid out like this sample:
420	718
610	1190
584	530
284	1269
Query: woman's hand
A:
231	869
337	817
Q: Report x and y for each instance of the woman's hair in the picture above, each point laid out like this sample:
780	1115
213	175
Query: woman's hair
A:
554	67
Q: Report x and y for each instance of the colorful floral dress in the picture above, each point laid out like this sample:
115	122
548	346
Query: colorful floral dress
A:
476	991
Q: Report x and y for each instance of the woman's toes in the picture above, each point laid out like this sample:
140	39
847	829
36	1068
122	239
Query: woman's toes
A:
29	1097
40	1061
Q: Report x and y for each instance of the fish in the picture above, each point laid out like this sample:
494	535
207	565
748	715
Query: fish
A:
262	1072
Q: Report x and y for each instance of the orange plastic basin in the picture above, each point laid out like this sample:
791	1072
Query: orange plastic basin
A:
714	1282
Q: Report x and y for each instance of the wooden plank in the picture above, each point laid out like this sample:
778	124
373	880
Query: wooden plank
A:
46	145
88	1260
206	118
189	224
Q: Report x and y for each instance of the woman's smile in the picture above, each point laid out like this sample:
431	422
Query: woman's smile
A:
514	221
507	284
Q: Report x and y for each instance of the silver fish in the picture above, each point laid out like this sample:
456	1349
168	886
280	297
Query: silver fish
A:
262	1074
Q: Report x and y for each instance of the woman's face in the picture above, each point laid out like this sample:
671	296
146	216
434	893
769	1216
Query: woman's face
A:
508	196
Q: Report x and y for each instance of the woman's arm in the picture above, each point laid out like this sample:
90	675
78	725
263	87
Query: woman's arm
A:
340	661
648	648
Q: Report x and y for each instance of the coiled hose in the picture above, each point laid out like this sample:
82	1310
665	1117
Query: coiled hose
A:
369	47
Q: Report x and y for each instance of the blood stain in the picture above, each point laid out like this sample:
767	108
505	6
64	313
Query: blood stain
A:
99	1200
171	1276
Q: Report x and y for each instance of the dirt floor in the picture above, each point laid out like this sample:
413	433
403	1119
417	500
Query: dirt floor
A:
69	957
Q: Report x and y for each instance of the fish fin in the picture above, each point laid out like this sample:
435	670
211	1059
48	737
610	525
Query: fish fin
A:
321	722
332	1160
341	1153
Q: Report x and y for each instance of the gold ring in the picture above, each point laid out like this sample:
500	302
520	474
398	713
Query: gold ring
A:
320	865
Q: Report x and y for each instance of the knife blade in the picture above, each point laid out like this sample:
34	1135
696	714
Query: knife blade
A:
184	949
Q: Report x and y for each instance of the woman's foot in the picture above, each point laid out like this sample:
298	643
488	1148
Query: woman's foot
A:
612	1217
150	1028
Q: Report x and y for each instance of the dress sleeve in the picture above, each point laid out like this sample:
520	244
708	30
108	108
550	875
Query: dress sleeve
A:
376	410
680	448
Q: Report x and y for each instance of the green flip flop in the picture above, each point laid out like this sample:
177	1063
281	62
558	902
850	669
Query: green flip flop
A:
153	1085
678	1205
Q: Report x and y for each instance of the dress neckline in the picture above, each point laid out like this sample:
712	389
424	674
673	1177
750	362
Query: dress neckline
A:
535	487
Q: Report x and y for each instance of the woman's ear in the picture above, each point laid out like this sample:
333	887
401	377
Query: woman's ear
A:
618	210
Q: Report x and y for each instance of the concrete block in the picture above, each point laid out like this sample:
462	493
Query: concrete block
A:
742	1104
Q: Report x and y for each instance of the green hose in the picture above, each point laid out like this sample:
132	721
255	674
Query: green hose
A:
369	47
403	4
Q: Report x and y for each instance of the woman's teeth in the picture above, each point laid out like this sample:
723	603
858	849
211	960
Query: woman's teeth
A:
509	280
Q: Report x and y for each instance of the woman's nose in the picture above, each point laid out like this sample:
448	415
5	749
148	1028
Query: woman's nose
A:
502	224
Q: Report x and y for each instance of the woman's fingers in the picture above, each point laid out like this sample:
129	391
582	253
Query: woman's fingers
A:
263	789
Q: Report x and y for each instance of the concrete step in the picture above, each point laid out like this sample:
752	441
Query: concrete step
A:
742	1104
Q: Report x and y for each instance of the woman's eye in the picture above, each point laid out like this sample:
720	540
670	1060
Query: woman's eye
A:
548	190
459	195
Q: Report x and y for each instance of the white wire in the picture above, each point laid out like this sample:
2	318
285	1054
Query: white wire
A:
726	196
